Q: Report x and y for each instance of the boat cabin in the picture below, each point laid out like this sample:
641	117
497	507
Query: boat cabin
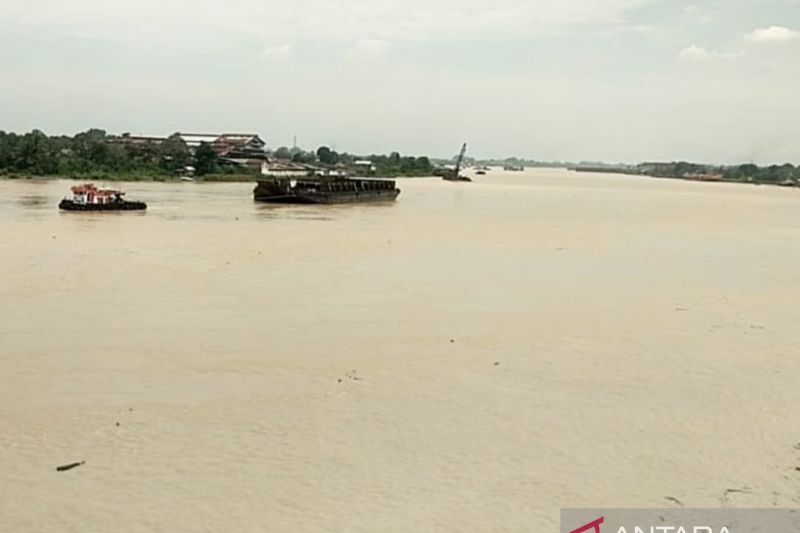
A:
88	194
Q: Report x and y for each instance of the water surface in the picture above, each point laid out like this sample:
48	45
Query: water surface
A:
471	357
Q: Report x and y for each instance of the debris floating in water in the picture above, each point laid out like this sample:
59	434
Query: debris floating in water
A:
352	376
70	466
674	500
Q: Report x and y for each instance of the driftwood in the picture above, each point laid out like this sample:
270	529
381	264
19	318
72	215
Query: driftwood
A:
674	500
70	466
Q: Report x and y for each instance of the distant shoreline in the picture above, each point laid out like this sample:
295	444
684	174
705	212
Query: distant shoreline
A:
702	178
252	178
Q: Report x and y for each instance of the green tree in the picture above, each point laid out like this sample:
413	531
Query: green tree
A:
786	173
9	154
423	166
36	155
304	157
327	156
282	153
85	143
205	160
749	170
174	154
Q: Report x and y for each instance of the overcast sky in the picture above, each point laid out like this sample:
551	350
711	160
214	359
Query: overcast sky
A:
613	80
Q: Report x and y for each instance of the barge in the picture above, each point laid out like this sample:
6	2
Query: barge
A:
324	190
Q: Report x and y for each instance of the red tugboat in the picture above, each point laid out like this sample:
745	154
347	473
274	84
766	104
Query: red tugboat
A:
87	197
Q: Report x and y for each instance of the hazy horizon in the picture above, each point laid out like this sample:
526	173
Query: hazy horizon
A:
709	81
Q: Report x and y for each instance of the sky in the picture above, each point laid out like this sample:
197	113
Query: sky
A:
714	81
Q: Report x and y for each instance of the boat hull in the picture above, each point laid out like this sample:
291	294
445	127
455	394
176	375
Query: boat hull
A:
69	205
337	198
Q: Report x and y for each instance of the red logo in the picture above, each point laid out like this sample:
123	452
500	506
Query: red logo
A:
592	526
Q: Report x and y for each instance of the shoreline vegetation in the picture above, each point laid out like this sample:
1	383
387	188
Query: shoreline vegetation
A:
119	177
97	155
786	175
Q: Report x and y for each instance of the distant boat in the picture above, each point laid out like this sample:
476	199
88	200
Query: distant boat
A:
454	174
87	197
514	168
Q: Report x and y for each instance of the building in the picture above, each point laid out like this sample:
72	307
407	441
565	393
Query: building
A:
222	143
131	140
240	150
286	169
364	167
237	143
243	150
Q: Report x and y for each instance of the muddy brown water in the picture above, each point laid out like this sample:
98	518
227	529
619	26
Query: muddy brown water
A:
472	357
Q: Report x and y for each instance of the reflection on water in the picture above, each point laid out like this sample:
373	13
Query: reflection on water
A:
314	212
97	216
34	200
275	211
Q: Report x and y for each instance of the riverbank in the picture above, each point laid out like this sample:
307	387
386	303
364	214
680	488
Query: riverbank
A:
781	176
228	178
211	178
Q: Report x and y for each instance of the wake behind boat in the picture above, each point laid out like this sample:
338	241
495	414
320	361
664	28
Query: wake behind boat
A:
87	197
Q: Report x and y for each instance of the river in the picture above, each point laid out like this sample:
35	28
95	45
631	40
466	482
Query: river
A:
472	357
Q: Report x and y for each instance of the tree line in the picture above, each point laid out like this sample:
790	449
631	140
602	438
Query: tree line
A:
95	152
393	164
89	152
786	174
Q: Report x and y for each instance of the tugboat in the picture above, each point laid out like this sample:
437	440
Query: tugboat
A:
454	174
87	197
315	188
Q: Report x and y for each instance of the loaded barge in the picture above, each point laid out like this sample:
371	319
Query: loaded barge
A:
87	197
324	190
